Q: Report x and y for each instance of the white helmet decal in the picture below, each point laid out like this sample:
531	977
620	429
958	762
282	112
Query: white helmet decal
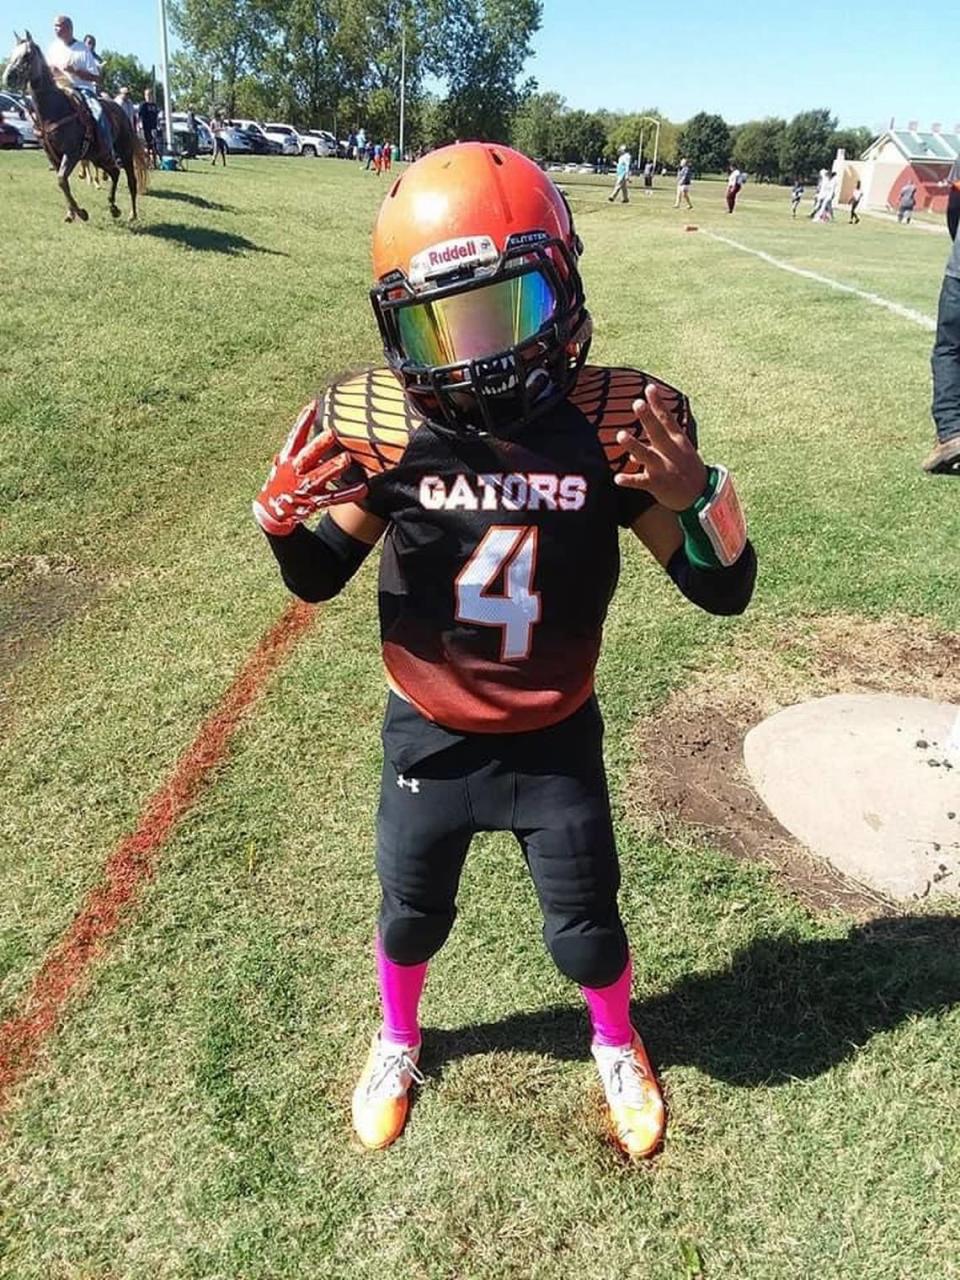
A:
448	255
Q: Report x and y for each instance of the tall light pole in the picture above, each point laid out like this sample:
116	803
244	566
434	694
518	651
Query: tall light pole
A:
165	77
655	120
403	81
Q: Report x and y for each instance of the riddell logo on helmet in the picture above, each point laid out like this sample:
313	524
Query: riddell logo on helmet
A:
448	255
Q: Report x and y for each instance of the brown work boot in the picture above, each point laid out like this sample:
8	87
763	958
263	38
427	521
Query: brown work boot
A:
945	458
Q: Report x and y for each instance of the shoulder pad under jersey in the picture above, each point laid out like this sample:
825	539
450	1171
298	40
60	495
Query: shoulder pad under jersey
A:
605	397
370	417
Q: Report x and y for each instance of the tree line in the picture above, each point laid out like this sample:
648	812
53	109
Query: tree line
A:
336	64
771	149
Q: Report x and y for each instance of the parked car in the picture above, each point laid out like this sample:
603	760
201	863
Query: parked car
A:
236	141
181	134
260	144
341	147
318	142
9	137
287	137
13	111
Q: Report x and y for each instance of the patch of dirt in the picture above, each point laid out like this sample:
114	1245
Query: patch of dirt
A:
690	770
37	595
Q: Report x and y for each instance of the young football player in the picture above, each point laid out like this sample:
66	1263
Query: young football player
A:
497	467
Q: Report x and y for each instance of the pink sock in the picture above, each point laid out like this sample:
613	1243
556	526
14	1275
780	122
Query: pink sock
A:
400	989
609	1009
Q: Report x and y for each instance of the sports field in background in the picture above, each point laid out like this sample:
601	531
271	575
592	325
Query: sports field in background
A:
189	1115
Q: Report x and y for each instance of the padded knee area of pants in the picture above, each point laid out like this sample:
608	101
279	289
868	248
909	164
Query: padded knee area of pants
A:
414	939
594	959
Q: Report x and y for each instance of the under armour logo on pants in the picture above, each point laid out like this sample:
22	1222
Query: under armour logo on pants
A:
412	783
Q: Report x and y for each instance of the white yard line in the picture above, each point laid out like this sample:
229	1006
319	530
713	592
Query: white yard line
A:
906	313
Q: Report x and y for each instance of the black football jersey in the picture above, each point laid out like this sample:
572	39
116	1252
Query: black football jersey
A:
501	556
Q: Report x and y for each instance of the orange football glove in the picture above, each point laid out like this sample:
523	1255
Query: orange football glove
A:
304	478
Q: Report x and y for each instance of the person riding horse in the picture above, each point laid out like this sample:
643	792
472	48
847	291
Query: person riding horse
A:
66	130
75	66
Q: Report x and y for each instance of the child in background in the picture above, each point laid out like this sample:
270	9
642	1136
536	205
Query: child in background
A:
855	199
795	197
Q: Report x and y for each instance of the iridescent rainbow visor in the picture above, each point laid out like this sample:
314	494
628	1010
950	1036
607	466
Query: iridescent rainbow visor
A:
478	321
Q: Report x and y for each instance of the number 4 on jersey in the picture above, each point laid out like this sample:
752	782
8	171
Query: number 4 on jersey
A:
509	550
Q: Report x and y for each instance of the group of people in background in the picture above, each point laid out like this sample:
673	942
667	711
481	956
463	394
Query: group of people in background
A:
735	180
826	195
77	65
378	156
621	183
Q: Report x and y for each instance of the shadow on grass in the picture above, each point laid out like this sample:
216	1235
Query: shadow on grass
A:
184	197
784	1009
206	238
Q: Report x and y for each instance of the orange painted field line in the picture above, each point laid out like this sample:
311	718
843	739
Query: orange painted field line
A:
134	859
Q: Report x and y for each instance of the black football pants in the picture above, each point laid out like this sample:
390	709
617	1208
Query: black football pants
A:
549	788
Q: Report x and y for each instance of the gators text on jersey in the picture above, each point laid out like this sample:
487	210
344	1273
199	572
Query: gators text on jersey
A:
501	556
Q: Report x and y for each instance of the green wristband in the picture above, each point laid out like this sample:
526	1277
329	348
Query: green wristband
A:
696	543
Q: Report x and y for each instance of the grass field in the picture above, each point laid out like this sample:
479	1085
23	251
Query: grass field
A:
189	1117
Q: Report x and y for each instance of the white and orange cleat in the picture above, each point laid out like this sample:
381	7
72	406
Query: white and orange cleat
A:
380	1100
637	1114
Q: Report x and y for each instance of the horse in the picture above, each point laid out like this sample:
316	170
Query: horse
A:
69	132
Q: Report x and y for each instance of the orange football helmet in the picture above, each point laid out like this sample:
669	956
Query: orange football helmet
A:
478	296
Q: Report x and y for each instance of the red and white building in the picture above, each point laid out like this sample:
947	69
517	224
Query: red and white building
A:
924	157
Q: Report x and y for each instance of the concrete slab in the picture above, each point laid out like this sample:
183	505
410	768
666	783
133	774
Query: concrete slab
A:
871	783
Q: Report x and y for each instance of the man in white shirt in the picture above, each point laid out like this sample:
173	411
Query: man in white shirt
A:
734	183
623	177
830	194
71	62
74	66
821	195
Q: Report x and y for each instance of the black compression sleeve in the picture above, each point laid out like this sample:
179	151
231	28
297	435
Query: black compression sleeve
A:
722	591
316	565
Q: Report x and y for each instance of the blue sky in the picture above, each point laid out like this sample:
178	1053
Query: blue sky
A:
745	58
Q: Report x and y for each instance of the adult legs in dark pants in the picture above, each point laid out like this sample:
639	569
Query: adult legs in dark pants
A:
945	363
